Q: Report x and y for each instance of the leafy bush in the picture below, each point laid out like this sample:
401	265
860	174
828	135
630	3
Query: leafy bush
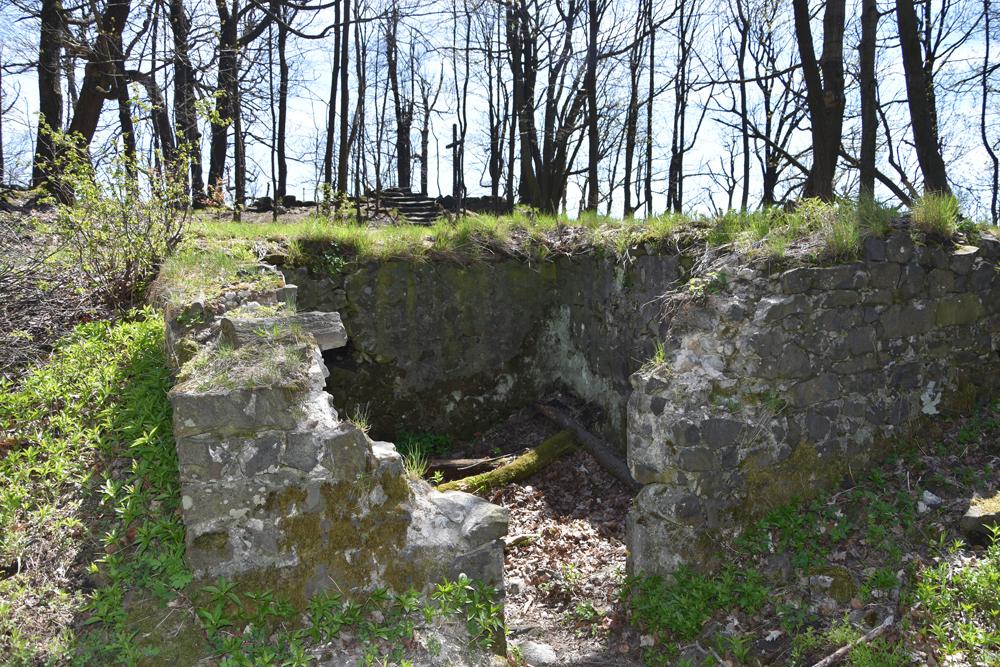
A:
936	215
119	222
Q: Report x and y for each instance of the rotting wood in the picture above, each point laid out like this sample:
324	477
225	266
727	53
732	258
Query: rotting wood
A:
523	466
844	650
462	468
602	452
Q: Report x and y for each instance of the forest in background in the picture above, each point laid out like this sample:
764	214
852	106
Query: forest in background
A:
623	107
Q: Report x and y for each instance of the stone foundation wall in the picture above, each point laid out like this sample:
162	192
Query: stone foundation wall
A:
453	349
774	386
279	492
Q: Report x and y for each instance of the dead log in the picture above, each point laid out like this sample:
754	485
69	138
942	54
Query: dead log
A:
602	452
523	466
462	468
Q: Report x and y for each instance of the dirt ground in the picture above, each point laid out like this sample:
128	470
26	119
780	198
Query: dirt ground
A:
565	560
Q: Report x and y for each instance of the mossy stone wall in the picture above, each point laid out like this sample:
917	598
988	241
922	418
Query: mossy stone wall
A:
780	383
447	348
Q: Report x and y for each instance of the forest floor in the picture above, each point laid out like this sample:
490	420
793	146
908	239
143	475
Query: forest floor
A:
565	560
882	553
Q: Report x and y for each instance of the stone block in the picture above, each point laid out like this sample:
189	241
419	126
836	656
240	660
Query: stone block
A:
721	432
326	328
960	310
963	257
899	247
796	281
940	281
873	249
906	320
825	387
841	277
776	308
884	275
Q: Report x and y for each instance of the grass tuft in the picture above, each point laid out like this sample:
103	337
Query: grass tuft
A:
936	215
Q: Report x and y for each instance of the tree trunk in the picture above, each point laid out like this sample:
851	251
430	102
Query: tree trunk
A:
632	116
824	92
402	108
104	74
185	115
282	185
590	82
345	147
225	101
984	105
919	95
50	101
869	90
331	109
159	116
2	172
650	92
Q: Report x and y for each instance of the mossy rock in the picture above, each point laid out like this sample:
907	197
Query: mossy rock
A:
842	588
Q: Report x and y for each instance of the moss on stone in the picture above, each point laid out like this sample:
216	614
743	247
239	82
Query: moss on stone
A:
802	475
842	588
342	543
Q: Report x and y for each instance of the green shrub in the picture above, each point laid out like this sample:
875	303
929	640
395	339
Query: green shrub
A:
117	223
936	215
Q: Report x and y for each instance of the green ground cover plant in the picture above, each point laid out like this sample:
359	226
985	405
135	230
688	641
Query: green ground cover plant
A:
869	540
90	527
90	477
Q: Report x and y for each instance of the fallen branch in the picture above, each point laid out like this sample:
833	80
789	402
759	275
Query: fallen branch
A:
602	452
844	650
523	466
460	468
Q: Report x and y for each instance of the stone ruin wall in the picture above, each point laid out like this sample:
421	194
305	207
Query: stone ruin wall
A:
778	385
280	492
774	384
443	348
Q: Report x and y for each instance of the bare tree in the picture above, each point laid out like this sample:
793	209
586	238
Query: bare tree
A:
824	82
920	97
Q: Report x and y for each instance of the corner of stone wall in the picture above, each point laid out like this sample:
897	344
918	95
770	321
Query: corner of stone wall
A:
773	385
277	490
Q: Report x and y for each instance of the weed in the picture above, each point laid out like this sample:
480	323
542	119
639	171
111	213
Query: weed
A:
429	445
101	396
659	356
962	603
875	218
936	215
677	610
415	463
360	417
715	282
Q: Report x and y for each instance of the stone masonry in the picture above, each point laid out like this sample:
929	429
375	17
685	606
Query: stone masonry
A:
278	491
775	386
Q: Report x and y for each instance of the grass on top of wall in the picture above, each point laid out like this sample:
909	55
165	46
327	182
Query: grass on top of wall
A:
839	228
222	255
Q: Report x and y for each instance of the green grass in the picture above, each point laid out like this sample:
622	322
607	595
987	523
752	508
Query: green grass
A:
936	215
222	255
840	227
200	271
100	399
